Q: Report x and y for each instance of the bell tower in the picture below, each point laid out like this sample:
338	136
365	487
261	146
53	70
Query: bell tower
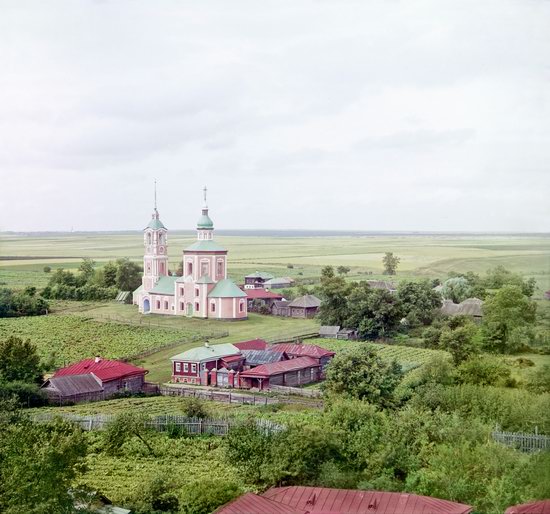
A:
205	226
155	259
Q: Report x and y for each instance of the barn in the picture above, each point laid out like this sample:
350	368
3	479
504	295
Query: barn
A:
306	306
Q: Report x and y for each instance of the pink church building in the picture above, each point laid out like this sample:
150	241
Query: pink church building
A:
204	291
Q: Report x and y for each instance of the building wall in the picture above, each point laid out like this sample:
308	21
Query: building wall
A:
133	384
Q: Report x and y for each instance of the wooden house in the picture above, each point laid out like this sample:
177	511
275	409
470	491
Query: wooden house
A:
278	283
472	307
329	331
253	358
280	308
257	279
306	306
321	355
192	366
259	297
383	284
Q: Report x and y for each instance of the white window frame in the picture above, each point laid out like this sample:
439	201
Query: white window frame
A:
193	368
185	367
178	367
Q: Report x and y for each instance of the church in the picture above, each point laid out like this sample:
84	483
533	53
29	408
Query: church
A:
204	291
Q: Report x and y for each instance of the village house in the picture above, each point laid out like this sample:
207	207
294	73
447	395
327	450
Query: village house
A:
383	284
94	379
253	344
280	308
472	307
253	358
203	291
257	279
294	350
259	297
278	283
306	306
312	500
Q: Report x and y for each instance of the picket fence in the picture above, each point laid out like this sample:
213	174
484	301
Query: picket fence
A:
522	441
191	426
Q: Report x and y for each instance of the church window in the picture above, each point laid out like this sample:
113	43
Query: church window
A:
189	268
181	291
197	291
161	238
162	268
213	307
182	306
204	269
158	304
165	304
148	238
197	307
220	269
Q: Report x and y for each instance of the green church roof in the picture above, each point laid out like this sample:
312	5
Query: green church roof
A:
205	222
155	224
205	246
165	285
226	289
205	279
202	353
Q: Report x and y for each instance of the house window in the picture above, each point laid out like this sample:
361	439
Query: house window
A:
158	304
165	304
203	366
189	268
185	367
178	367
193	368
213	307
197	307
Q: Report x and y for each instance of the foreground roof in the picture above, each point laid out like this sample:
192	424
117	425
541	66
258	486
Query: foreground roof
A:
276	368
104	369
253	344
226	288
251	503
71	385
165	286
261	294
345	501
306	301
203	353
309	350
540	507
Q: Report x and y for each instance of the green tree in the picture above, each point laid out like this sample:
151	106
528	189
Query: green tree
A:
205	496
128	275
419	301
47	269
460	341
343	270
456	289
508	318
358	372
333	291
124	427
39	465
19	361
87	269
390	263
109	274
499	277
485	371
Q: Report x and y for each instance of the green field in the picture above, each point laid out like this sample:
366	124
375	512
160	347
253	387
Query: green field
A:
24	257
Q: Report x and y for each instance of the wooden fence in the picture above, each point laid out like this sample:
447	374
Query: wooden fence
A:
234	397
522	441
293	337
309	393
191	426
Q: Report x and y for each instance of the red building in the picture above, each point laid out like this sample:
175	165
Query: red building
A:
260	297
253	344
321	355
323	500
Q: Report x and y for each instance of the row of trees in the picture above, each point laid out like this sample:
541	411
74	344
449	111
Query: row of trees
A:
90	283
21	303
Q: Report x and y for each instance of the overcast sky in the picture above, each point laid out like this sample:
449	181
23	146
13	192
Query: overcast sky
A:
335	114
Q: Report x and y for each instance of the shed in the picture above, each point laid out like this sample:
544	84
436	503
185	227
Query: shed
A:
305	306
347	333
321	355
470	307
280	308
124	297
262	297
257	279
73	388
540	507
329	331
293	372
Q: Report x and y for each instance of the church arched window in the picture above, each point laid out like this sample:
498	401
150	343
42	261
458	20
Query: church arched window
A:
148	238
161	238
189	268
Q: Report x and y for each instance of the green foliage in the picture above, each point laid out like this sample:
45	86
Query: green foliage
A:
19	361
128	275
334	291
419	302
508	319
26	394
460	342
195	407
124	427
343	270
39	465
205	496
47	269
360	373
499	277
156	497
390	263
456	289
23	303
486	371
539	379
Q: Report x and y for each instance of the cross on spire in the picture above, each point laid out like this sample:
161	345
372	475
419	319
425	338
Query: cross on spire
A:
204	190
155	194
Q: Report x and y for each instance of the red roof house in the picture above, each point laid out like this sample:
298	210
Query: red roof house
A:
322	356
293	372
322	500
540	507
261	297
253	344
73	382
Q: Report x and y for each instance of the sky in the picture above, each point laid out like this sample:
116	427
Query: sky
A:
328	114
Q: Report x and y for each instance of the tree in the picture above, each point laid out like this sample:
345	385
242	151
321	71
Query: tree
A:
508	318
333	291
485	371
124	427
128	275
358	372
499	277
22	303
47	269
40	462
419	302
109	274
205	496
343	270
86	269
390	263
460	342
456	289
19	361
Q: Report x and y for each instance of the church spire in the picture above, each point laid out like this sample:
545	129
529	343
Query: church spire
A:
205	226
155	211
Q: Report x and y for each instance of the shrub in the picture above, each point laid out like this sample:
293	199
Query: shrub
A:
47	269
205	496
484	371
195	408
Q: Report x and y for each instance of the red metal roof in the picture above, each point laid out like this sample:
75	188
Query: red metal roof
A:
253	344
251	503
105	369
541	507
347	501
310	350
232	358
276	368
262	294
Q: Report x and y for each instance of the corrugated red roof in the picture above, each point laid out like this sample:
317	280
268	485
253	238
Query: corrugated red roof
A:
232	358
541	507
251	503
262	294
348	501
310	350
276	368
253	344
105	369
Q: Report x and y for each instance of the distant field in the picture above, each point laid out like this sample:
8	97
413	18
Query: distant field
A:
24	257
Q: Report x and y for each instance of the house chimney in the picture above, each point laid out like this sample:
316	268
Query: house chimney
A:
97	359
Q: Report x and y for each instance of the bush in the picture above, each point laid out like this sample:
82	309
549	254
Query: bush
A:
27	395
485	371
47	269
24	303
205	496
195	408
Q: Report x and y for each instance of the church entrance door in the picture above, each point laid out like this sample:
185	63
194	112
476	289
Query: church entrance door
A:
146	305
190	309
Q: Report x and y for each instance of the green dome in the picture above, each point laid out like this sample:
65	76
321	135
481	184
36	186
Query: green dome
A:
205	222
